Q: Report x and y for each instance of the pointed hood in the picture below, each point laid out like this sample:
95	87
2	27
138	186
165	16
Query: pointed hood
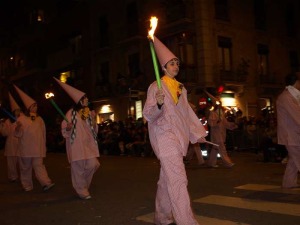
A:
74	93
28	101
13	104
213	98
163	53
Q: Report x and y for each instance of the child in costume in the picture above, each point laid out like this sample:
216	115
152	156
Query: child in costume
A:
31	131
80	133
172	126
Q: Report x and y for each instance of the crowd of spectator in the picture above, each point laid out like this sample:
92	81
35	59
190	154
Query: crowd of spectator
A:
130	137
124	138
258	134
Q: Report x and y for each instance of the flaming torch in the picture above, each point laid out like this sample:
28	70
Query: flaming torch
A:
50	97
153	25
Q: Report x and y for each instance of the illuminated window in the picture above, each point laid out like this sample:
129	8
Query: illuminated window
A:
138	109
40	15
227	99
105	113
264	103
37	16
105	109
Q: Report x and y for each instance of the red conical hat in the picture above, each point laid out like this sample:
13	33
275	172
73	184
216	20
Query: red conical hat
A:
28	101
163	53
74	93
13	104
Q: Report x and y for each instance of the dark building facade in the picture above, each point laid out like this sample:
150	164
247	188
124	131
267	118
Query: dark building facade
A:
101	48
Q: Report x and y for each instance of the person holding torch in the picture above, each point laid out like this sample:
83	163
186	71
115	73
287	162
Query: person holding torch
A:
31	132
80	132
172	126
218	124
7	129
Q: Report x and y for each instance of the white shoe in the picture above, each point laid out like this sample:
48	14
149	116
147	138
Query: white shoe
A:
28	189
230	165
48	187
213	166
85	197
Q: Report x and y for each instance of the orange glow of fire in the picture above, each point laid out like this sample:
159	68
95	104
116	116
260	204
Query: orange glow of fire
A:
153	25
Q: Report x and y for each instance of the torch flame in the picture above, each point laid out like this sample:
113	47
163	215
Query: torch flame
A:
153	25
49	95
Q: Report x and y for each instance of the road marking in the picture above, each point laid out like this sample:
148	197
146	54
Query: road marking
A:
269	188
252	204
148	218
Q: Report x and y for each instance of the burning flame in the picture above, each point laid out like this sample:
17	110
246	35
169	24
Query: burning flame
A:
153	25
49	95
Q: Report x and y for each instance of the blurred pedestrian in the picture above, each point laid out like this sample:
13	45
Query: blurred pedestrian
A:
218	125
172	125
31	131
288	128
80	133
195	148
192	150
7	129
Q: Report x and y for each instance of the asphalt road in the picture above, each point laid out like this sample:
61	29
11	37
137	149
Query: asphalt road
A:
123	193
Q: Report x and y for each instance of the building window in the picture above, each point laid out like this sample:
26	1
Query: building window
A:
228	99
260	12
263	61
175	10
103	88
138	109
40	16
221	10
134	65
103	32
225	54
290	21
294	61
37	16
76	44
103	74
187	57
186	49
132	19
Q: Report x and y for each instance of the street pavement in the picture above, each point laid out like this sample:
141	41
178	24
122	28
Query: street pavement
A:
123	193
